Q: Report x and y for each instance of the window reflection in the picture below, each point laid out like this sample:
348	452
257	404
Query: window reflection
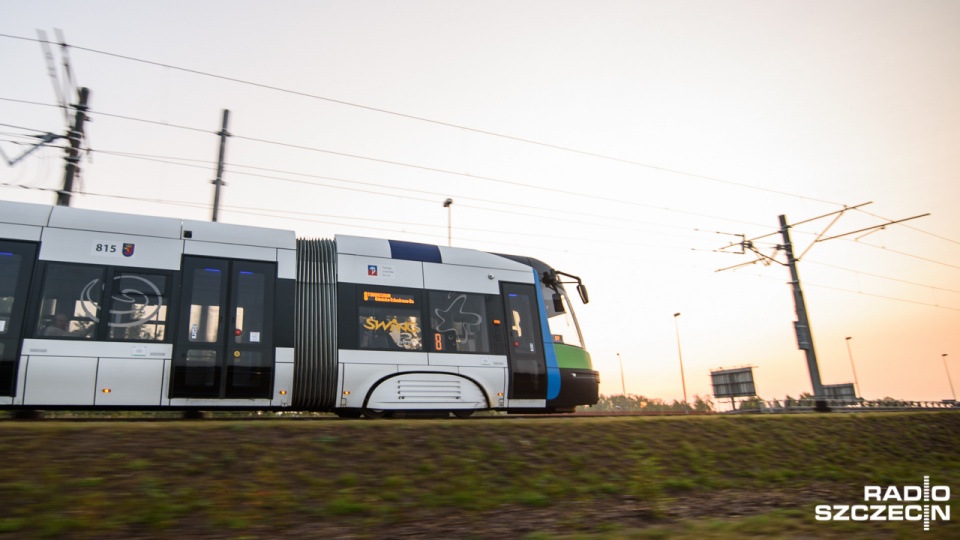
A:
459	322
138	308
70	302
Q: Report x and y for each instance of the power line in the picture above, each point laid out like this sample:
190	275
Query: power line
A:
830	287
154	122
915	229
883	277
273	214
405	195
435	122
443	171
880	296
918	257
492	179
435	170
566	213
564	219
431	121
606	254
20	127
12	100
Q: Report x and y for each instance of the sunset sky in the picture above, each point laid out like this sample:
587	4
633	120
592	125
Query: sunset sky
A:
621	141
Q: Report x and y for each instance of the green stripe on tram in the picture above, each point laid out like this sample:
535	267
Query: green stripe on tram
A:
572	357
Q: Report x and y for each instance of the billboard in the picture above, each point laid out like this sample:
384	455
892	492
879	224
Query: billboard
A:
732	383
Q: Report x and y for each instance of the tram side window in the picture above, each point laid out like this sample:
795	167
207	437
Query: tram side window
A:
138	307
250	324
389	320
70	305
205	305
9	270
459	322
522	328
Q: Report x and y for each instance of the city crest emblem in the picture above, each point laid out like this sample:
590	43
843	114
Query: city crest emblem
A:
128	250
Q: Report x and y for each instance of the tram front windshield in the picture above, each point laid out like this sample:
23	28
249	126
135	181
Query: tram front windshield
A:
563	325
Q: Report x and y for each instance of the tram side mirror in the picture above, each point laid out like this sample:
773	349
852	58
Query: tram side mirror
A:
558	303
582	289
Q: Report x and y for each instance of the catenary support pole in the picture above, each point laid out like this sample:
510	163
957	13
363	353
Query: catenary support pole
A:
802	325
75	136
223	148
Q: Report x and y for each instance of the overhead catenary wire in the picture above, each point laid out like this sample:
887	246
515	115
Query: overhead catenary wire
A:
435	194
64	46
432	121
430	199
424	168
467	128
177	126
914	228
232	167
287	215
472	176
601	254
871	274
256	212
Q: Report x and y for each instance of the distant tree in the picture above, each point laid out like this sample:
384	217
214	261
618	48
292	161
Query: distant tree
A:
751	404
702	404
638	403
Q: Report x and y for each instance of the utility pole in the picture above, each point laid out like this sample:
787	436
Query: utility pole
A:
623	381
949	380
448	204
75	136
802	325
855	380
683	378
219	181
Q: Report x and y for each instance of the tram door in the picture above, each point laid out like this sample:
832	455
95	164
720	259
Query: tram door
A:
224	342
528	367
16	268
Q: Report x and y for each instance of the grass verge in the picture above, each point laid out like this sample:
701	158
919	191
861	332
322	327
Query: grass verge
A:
704	477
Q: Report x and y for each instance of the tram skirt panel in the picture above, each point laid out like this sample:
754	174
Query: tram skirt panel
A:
427	391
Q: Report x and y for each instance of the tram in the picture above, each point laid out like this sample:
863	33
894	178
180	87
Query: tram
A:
108	310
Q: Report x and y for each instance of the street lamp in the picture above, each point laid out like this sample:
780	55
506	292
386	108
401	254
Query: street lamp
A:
680	354
623	382
855	381
944	356
447	204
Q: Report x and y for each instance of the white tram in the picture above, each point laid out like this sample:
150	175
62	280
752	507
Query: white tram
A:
107	310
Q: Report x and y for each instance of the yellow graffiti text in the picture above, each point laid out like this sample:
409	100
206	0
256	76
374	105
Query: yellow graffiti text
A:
392	325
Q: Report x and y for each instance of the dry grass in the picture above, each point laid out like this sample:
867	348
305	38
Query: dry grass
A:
697	477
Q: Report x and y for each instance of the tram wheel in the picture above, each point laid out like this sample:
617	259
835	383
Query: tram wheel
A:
374	413
463	413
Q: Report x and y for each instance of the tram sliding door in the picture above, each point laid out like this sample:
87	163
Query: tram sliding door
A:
16	268
528	367
224	344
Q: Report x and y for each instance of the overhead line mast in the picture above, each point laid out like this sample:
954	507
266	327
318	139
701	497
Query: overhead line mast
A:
75	136
802	324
